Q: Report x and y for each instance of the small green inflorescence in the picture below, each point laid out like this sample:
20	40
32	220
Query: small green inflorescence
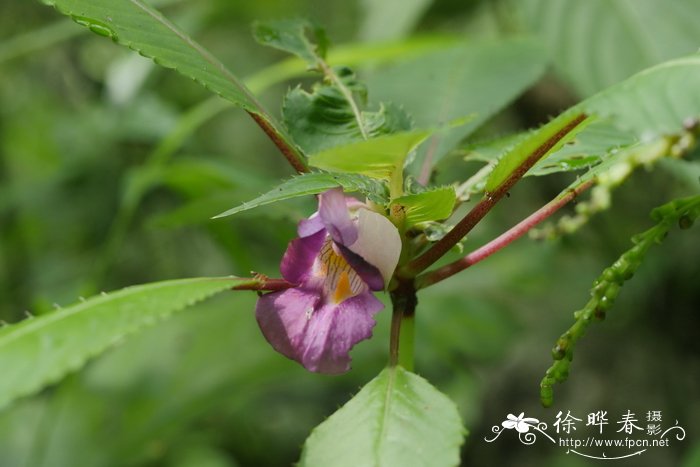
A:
682	212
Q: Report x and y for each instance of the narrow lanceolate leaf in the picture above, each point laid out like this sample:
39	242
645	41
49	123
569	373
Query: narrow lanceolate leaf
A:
647	107
398	418
536	146
140	27
135	24
591	146
432	205
314	183
41	350
377	157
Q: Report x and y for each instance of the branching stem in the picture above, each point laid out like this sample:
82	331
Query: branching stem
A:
473	217
503	240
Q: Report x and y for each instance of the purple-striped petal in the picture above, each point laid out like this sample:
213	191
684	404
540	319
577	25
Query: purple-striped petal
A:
333	211
297	263
317	335
369	274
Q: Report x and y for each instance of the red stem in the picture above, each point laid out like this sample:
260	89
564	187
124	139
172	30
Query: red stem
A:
289	152
473	217
503	240
263	283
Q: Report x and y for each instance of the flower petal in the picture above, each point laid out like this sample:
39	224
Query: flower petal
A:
509	424
310	226
522	427
319	336
298	260
378	242
333	211
369	274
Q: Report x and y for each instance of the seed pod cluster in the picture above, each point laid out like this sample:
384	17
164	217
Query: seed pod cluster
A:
607	287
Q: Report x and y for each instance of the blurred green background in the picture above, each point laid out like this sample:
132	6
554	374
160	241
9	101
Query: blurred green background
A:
100	188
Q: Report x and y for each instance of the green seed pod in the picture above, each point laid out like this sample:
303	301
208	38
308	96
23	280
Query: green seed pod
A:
546	395
612	291
559	349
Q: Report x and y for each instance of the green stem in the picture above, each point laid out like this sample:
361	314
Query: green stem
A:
401	346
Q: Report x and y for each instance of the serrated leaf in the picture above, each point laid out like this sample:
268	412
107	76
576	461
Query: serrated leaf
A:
584	150
291	36
382	157
595	143
432	205
311	184
597	43
653	103
140	27
533	143
398	418
41	350
324	118
472	78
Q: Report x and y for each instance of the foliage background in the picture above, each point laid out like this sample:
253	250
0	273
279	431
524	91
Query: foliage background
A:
80	119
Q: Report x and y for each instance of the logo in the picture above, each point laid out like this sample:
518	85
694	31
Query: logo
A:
598	437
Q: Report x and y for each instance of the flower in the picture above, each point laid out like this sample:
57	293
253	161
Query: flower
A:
343	253
522	425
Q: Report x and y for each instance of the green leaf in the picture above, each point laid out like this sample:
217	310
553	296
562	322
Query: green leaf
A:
432	205
535	144
597	43
595	143
654	102
325	118
142	28
291	36
398	418
404	15
382	157
311	184
473	78
41	350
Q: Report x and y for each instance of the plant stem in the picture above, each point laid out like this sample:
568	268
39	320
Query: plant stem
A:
404	301
502	240
262	282
292	154
473	217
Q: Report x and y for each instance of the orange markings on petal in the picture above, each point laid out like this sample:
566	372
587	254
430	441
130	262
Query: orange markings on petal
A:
343	290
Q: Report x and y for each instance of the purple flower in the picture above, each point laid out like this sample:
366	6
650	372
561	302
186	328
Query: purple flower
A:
343	253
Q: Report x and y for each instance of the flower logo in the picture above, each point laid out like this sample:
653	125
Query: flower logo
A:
520	423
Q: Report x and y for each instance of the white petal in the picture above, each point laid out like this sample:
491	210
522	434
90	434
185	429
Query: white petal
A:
522	427
378	242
